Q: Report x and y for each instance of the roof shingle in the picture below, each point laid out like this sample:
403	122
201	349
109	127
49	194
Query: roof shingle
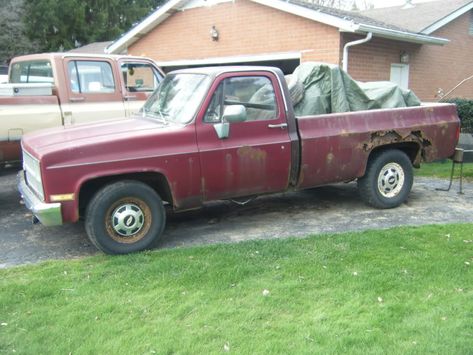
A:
356	17
417	18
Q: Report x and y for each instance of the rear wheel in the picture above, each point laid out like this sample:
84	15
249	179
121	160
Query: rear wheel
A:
125	217
388	179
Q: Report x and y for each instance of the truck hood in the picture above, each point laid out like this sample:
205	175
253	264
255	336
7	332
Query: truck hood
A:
75	135
103	141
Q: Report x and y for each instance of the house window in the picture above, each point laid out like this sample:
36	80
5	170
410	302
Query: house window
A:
400	75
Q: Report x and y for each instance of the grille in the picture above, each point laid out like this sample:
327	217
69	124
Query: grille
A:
33	174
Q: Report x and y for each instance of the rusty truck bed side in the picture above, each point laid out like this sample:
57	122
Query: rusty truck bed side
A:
336	147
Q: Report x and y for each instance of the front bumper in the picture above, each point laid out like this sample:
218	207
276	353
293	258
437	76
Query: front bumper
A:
49	214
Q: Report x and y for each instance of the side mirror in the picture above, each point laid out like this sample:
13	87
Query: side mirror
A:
222	129
234	113
231	114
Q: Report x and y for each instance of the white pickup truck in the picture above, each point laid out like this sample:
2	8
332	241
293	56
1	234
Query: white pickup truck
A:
61	89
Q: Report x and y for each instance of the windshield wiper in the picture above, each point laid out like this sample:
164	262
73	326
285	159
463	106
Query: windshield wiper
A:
161	114
155	114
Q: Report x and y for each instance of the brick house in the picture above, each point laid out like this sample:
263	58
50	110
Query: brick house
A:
427	47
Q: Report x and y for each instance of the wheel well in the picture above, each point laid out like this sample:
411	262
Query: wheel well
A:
155	180
411	149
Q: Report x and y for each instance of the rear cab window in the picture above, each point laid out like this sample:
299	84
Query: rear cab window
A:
35	71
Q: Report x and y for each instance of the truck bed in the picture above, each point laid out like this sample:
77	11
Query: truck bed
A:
17	117
335	147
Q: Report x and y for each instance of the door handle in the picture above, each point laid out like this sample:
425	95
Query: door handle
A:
77	99
281	125
130	97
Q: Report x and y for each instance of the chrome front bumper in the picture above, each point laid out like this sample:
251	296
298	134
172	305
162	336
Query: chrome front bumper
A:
49	214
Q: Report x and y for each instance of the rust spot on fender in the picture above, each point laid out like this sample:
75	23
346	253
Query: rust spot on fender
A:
251	153
380	138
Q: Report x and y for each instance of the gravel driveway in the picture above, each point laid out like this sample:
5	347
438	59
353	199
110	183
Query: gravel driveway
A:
329	209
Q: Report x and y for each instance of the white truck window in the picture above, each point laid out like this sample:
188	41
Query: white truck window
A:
38	71
91	77
140	77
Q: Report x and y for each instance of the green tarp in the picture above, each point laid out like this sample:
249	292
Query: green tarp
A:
327	89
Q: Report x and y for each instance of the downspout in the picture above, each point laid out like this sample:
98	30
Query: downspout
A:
351	44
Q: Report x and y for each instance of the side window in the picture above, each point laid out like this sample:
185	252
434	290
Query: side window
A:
89	77
140	77
38	71
215	110
256	93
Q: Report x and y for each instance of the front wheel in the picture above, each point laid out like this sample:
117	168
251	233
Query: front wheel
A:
125	217
388	179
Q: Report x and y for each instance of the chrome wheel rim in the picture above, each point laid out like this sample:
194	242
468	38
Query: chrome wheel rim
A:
391	180
127	220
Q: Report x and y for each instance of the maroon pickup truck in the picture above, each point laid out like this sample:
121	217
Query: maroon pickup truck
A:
220	133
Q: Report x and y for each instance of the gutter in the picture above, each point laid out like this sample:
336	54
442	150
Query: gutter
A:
401	35
351	44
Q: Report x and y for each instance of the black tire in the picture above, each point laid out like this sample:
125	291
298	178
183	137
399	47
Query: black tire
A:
125	217
388	179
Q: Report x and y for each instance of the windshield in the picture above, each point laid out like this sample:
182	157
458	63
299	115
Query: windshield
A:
177	98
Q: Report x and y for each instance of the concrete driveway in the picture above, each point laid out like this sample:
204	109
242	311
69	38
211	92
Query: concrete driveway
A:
327	209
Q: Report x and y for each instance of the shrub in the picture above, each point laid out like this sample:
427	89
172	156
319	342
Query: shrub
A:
465	112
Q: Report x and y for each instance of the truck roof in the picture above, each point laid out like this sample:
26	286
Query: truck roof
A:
50	56
218	70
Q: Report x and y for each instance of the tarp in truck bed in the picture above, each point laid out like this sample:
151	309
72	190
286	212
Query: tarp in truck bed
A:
328	89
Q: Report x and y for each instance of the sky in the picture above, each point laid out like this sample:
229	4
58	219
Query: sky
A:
387	3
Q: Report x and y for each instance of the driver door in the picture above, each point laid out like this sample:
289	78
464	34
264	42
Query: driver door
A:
255	156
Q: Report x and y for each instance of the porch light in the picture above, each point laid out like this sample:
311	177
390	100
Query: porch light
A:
214	33
404	58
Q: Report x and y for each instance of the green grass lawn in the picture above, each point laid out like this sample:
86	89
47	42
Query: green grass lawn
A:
399	291
443	170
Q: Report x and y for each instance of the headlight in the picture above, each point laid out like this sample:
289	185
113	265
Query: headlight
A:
33	174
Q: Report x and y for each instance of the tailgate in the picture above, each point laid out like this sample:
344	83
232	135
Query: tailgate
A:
23	114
